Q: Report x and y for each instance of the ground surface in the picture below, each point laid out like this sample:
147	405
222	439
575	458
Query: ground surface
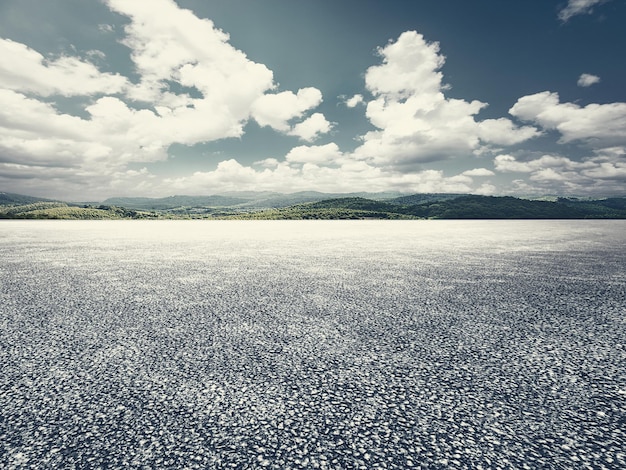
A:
312	344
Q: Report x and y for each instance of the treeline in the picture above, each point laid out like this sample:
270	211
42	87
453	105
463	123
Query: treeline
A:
407	207
490	207
61	210
462	207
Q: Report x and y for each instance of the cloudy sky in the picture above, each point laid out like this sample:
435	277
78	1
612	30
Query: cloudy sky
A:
154	98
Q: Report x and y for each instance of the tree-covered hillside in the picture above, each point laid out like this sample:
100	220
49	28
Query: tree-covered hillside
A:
419	206
340	208
60	210
488	207
463	207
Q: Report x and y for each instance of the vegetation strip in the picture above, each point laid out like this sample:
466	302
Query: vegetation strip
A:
419	206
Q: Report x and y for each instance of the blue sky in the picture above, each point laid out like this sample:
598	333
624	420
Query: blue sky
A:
137	98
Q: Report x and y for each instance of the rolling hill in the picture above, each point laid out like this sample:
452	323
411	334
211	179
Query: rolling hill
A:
312	205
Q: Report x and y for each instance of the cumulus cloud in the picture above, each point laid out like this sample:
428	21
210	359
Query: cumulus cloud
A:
290	176
168	43
410	67
587	79
598	125
314	154
578	7
608	164
502	131
604	172
508	163
415	121
276	110
222	88
33	132
354	101
26	70
478	172
193	86
312	128
190	85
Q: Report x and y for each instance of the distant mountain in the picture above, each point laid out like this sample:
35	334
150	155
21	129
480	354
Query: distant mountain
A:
285	200
314	205
423	198
249	195
173	202
262	195
461	207
13	199
249	200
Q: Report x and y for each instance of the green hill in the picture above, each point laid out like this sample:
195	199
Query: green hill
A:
338	208
463	207
61	210
489	207
423	198
238	200
419	206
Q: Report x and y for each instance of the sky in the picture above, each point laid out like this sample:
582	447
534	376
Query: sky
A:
102	98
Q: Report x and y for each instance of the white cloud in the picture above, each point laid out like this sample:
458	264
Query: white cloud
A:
276	110
217	90
586	80
312	128
25	70
354	101
32	132
502	131
415	121
410	68
314	154
608	171
578	7
508	163
548	174
268	163
478	172
348	176
191	85
598	125
608	164
604	173
170	44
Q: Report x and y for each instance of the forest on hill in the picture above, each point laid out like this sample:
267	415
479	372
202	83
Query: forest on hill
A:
310	205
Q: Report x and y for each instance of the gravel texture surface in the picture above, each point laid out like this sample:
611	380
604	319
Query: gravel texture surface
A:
331	345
